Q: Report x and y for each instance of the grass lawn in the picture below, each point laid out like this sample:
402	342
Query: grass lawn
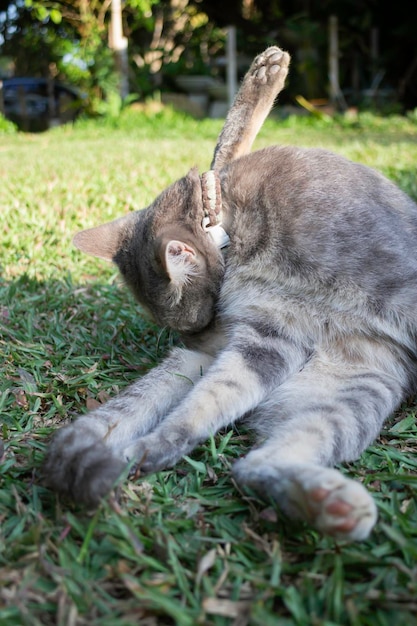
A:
185	546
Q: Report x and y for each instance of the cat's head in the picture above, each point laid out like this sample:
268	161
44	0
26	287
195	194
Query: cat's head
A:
165	256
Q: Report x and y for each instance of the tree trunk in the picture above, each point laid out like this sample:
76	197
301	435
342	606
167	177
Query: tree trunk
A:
231	64
118	43
336	96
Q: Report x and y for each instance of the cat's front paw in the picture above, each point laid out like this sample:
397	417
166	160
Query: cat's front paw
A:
270	67
80	466
158	451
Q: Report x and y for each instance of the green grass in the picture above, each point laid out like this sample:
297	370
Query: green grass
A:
185	546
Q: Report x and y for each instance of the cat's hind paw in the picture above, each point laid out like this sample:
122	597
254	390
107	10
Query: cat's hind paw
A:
270	68
336	505
322	497
80	466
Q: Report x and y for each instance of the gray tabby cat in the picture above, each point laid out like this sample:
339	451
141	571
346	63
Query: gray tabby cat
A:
305	324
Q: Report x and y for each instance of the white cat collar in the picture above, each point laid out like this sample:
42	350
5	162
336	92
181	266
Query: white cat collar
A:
212	205
217	233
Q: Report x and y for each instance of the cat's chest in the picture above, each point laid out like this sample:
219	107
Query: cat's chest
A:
262	280
301	303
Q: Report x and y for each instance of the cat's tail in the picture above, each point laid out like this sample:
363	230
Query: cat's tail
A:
254	100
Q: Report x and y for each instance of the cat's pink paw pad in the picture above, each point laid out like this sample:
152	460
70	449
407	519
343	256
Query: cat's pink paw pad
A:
346	511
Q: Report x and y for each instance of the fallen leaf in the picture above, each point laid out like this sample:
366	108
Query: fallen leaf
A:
226	608
20	398
206	563
404	505
103	396
92	403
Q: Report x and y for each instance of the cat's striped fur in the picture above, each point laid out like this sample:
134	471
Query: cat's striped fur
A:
306	327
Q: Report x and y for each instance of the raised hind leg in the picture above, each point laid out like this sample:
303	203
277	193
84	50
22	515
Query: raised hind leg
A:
254	100
323	415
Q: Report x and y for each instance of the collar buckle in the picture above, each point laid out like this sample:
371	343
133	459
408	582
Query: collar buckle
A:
217	233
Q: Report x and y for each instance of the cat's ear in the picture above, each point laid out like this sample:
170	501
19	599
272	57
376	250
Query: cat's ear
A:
103	241
180	261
